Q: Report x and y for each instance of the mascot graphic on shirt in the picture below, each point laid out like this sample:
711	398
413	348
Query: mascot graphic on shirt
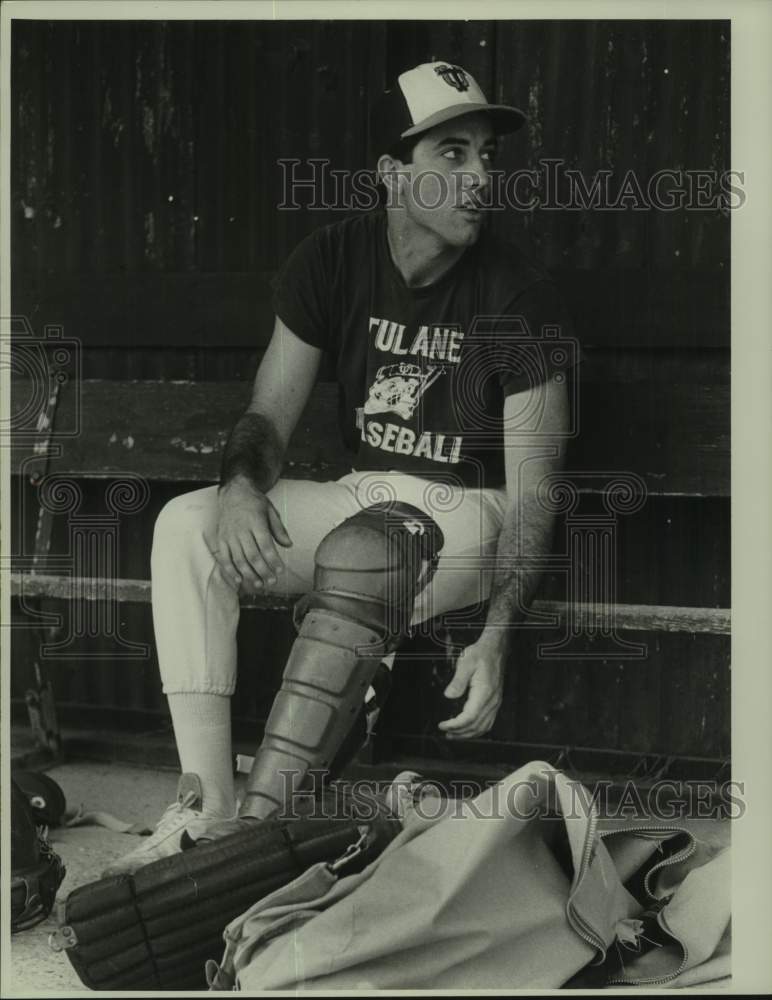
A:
398	388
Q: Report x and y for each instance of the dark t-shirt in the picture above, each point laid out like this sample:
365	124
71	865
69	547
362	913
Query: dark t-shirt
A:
423	372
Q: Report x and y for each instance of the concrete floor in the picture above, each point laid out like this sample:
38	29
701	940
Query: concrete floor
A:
134	794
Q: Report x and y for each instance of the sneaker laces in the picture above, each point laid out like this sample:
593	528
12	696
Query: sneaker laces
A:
174	815
207	830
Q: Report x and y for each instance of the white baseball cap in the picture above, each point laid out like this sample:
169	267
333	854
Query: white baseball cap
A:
431	94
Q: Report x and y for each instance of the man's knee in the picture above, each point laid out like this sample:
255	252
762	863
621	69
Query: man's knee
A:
184	519
371	566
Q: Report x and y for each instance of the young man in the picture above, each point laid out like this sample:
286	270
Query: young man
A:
450	402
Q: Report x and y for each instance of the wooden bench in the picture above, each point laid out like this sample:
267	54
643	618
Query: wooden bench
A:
649	415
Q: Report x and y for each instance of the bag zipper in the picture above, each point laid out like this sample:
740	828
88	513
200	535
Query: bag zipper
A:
352	851
617	980
588	933
679	856
682	855
580	926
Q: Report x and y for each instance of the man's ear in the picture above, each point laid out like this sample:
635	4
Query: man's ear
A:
391	174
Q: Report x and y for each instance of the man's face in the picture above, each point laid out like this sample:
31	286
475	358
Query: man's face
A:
448	177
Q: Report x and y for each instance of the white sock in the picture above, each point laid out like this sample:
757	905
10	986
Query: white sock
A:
202	730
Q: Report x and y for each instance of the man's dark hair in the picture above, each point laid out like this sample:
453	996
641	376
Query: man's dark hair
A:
400	149
385	126
403	149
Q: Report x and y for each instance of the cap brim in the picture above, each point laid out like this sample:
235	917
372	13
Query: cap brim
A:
505	118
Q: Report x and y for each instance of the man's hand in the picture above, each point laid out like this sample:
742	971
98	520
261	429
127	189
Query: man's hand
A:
480	668
247	531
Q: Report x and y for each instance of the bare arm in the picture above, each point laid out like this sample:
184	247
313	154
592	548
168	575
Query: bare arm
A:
526	534
249	525
527	529
256	446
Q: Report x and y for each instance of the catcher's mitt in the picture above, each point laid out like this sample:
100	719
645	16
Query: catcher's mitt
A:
36	869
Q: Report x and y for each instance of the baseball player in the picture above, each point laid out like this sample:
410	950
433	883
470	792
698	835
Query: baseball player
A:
453	406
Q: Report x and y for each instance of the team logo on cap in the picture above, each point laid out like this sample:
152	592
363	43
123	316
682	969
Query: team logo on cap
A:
454	76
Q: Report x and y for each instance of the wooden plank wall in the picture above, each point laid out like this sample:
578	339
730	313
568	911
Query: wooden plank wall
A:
146	152
144	192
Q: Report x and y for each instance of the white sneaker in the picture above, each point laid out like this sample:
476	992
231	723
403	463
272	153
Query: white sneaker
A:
184	814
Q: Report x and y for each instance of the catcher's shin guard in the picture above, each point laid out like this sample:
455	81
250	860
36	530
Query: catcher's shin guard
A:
368	573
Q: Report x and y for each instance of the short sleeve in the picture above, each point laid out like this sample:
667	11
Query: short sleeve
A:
534	338
301	291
